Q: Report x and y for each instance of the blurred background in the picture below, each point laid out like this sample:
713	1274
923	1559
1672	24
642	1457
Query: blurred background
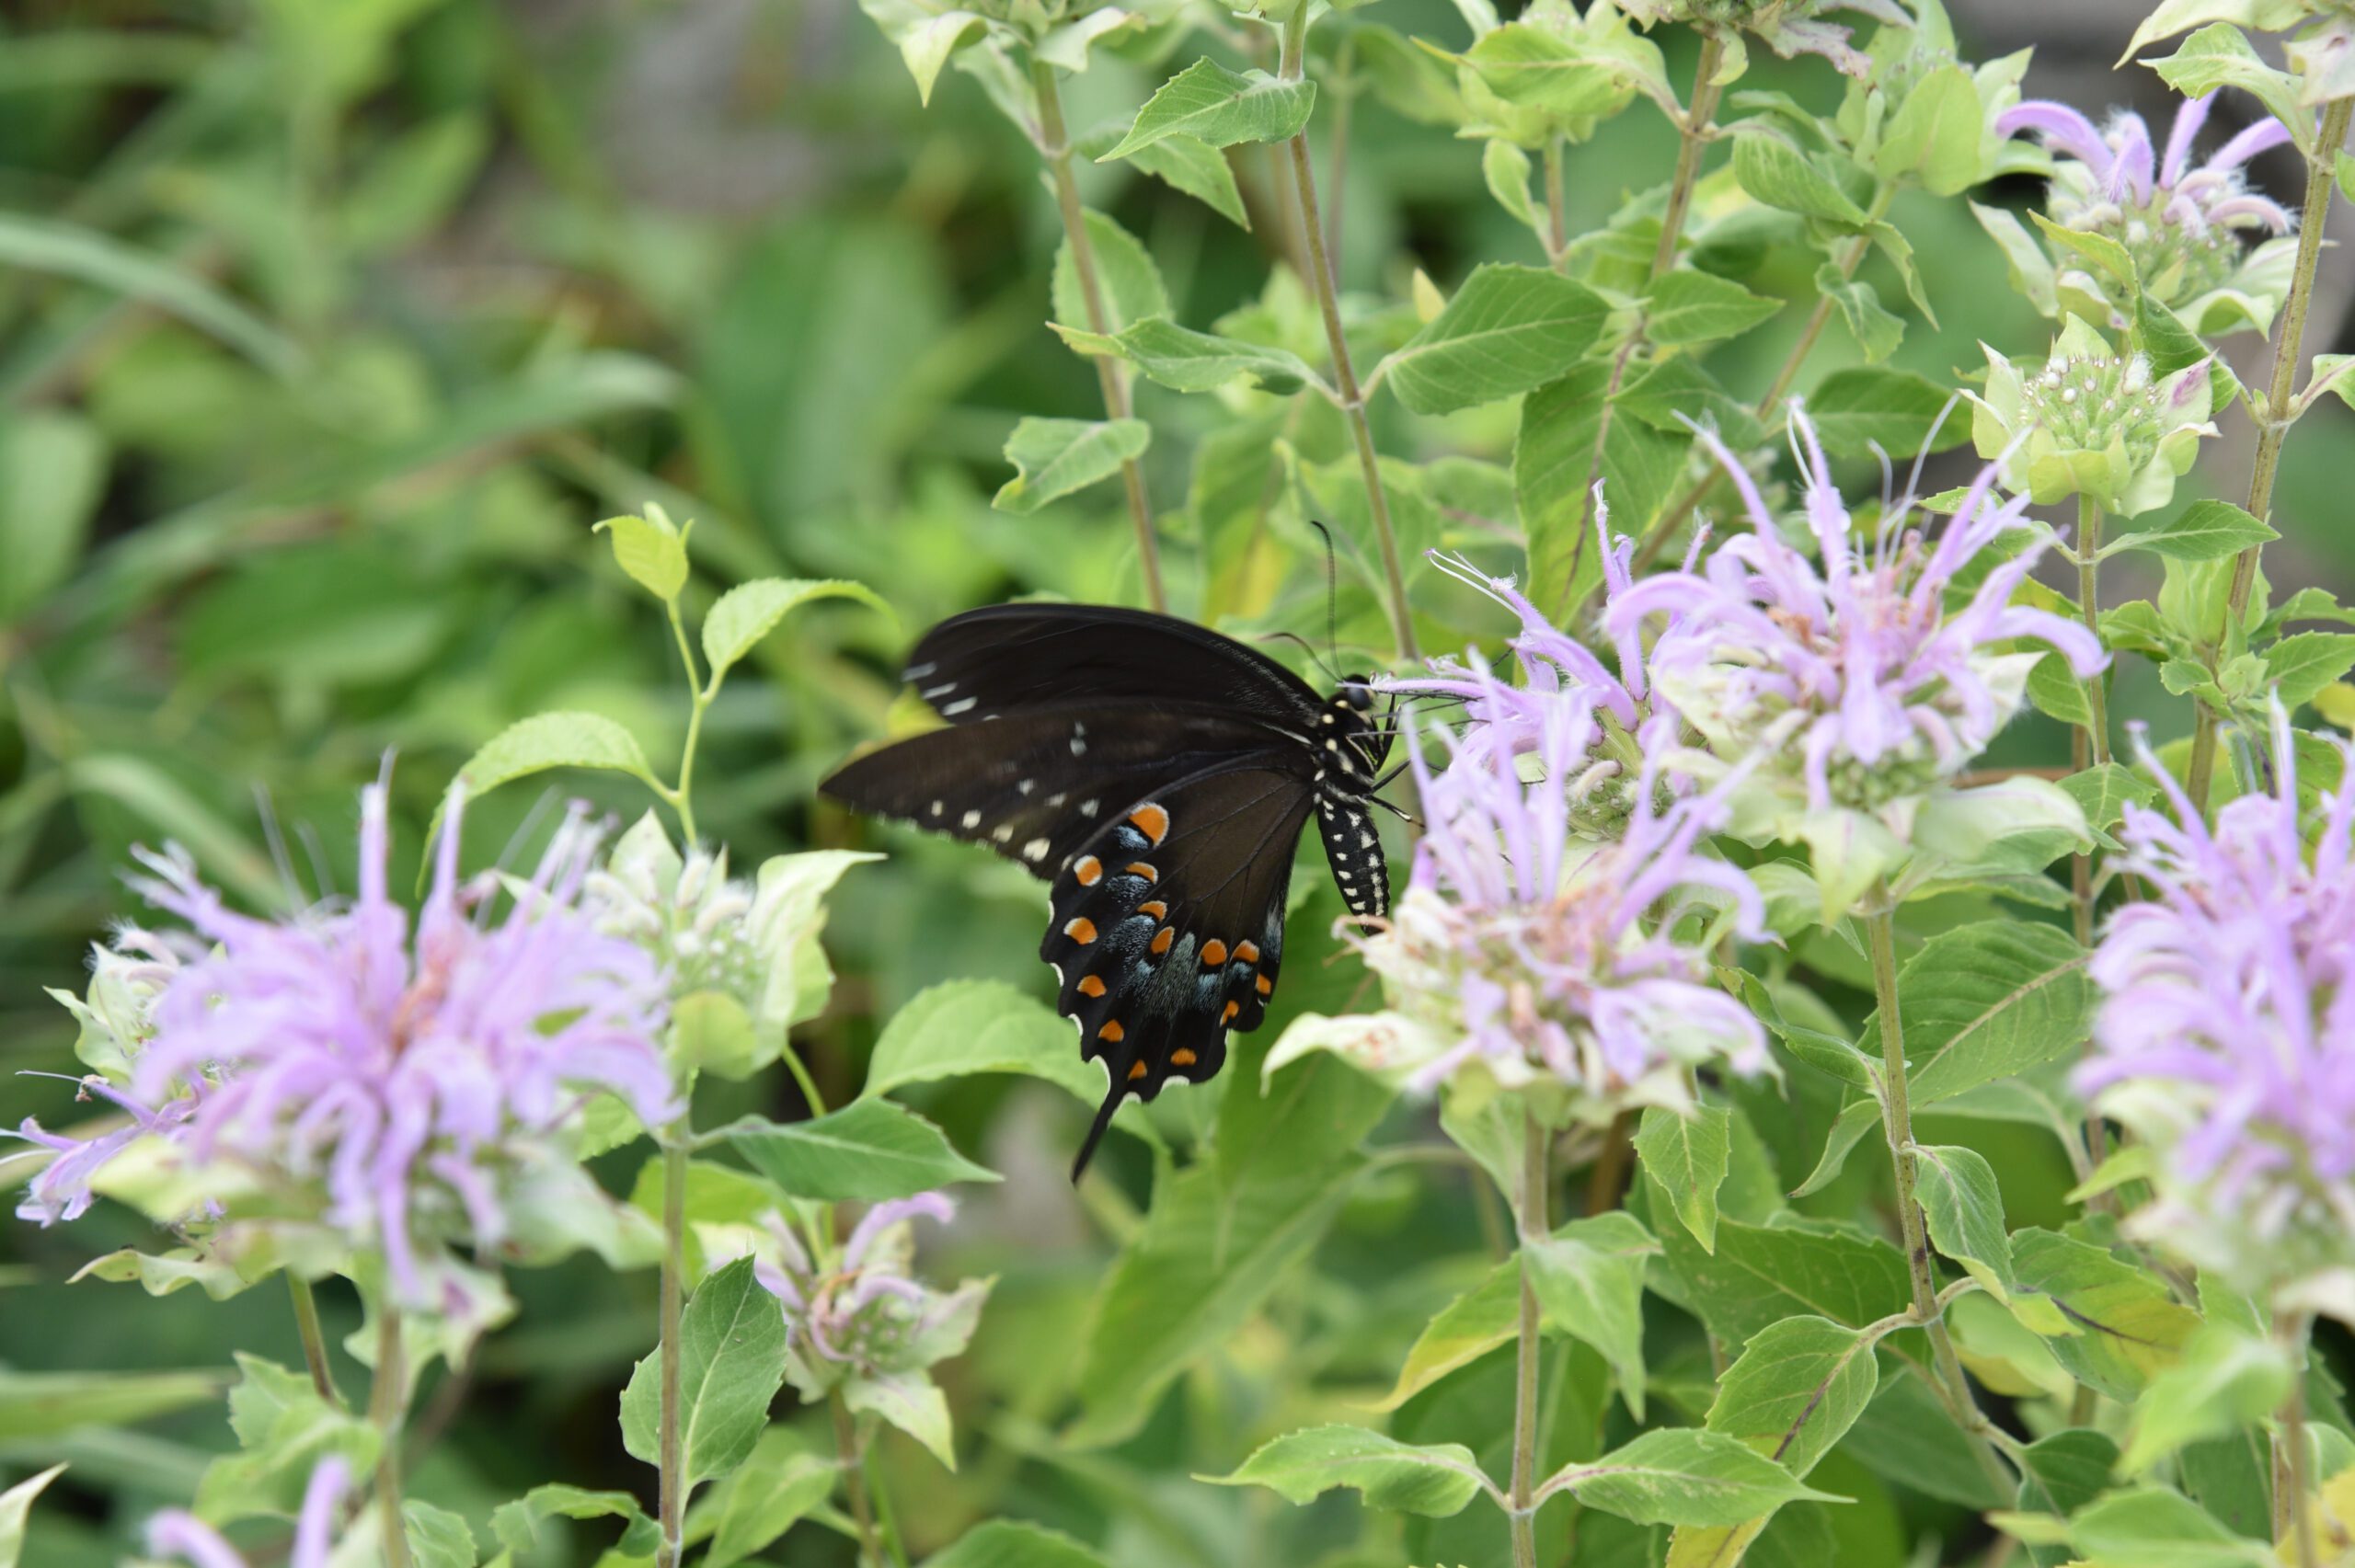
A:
326	329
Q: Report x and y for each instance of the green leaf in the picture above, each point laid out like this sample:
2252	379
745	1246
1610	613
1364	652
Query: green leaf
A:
1964	1210
1683	1475
160	1273
2109	261
41	244
1935	133
39	1407
283	1430
1863	407
1781	175
870	1152
1434	1482
1688	1155
2121	1324
1507	330
1506	169
2061	1474
927	47
1010	1543
518	1525
1796	1388
2228	1378
15	1507
1688	307
1218	108
2053	687
751	611
1127	283
1876	331
1467	1328
438	1537
2158	1528
2030	269
1201	170
1224	1232
1554	72
1052	458
1553	463
1666	393
2303	663
2103	794
731	1363
1185	360
553	740
1588	1277
2204	531
1858	1118
2172	17
52	471
1986	1001
785	1479
2221	56
1907	1435
650	551
1760	1275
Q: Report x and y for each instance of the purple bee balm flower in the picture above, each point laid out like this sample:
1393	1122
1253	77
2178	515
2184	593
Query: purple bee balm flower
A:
1534	952
2181	220
2226	1035
401	1075
1855	668
177	1534
862	1315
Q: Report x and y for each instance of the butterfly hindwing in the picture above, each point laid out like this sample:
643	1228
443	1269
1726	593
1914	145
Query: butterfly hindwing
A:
1168	927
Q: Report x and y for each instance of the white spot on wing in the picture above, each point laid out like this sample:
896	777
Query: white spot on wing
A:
962	704
1087	808
1003	832
1034	849
972	821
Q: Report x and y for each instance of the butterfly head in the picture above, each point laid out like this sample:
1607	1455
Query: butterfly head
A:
1354	741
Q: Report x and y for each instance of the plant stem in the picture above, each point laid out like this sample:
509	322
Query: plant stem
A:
1693	138
2091	749
671	1482
854	1481
1344	93
1290	65
1656	536
1558	220
2322	168
314	1343
2292	1518
698	698
1531	1215
1054	146
1896	1122
385	1402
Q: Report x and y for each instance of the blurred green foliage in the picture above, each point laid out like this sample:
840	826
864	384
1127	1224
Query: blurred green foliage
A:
328	327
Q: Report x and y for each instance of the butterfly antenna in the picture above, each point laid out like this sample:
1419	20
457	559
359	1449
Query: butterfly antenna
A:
1113	1095
1306	647
1332	593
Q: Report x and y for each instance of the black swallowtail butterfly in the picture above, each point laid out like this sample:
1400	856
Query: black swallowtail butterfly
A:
1158	774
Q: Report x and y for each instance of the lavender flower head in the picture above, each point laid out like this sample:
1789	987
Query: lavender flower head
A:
178	1535
400	1082
2183	222
2227	1034
1858	687
861	1318
1527	952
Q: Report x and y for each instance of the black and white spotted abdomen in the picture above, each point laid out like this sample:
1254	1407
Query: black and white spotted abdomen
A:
1355	851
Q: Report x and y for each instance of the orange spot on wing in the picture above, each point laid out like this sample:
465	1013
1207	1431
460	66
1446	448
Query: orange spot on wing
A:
1162	938
1137	1071
1139	868
1082	931
1112	1032
1089	869
1247	952
1181	1057
1151	821
1090	986
1157	908
1232	1009
1266	985
1213	953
